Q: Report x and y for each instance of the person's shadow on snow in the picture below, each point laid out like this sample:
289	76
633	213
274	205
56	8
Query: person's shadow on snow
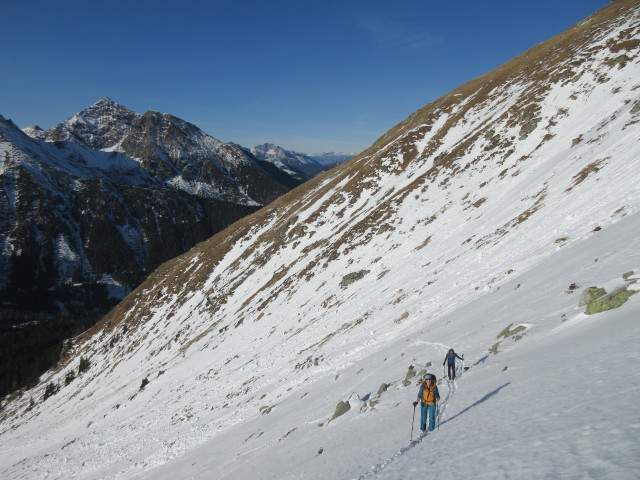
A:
482	400
482	360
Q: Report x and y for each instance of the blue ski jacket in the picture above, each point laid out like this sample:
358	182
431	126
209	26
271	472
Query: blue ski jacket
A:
451	358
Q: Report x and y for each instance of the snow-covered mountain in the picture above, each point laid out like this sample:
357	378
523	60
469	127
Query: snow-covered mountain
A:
173	150
289	345
93	205
35	131
298	165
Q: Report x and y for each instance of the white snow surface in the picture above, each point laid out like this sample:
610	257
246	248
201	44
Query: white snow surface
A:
245	370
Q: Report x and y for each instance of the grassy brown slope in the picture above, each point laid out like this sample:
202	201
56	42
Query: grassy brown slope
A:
556	60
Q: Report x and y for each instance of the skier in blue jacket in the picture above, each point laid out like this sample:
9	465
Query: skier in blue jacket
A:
450	360
428	397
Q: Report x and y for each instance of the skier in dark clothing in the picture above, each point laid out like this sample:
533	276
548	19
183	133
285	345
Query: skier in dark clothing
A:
450	360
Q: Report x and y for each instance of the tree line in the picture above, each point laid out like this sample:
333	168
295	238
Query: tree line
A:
30	348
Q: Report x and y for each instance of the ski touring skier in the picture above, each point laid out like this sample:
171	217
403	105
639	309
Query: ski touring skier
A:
428	397
450	360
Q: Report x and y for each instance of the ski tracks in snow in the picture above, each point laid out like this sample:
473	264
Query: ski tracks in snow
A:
442	408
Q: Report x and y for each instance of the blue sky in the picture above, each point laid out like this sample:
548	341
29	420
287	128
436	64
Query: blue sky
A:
308	75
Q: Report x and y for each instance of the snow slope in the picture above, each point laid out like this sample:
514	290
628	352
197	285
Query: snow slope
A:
475	224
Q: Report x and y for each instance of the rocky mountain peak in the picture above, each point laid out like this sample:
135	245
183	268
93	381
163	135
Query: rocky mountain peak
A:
105	102
269	150
35	131
101	126
164	125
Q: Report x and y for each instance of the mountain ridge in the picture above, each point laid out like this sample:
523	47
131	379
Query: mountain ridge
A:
299	165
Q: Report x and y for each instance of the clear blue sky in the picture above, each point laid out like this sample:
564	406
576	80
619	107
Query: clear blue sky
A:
309	75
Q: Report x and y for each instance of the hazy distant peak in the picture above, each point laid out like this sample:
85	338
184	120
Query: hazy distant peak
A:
34	131
332	158
300	165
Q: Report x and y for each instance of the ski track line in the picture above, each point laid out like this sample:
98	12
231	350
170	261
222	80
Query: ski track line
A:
453	387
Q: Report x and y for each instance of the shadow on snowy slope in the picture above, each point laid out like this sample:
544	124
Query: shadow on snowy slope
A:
482	400
482	360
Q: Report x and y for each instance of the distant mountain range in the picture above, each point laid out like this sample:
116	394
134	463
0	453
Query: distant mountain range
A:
331	159
299	165
93	205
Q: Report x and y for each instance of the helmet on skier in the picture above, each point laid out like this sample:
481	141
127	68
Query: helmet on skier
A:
429	376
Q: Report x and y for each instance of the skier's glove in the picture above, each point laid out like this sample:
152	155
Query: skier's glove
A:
415	403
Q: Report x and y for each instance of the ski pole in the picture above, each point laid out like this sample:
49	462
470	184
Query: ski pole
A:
413	420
